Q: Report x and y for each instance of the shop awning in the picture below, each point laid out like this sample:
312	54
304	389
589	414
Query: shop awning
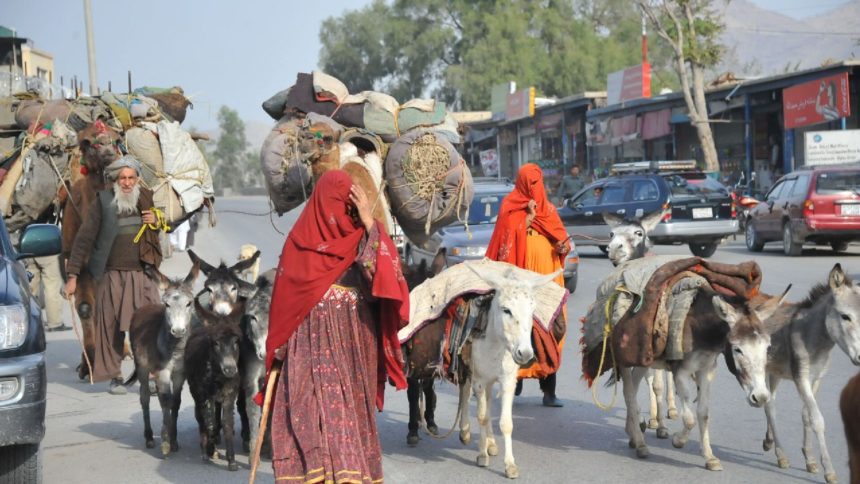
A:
679	118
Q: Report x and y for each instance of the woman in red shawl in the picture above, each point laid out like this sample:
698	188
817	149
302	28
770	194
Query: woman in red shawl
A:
338	301
529	234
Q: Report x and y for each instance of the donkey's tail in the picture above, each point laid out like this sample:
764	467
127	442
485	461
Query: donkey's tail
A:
131	378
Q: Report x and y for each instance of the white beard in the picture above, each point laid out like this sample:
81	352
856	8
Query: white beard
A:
125	203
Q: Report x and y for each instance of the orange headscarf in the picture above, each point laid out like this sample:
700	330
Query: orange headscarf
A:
508	243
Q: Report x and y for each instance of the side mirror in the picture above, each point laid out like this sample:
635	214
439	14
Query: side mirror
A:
40	240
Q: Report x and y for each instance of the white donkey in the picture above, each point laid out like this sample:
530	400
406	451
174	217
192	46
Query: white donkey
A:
804	335
629	240
496	357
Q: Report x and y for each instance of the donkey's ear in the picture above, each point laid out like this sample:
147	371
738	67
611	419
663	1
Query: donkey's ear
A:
440	262
783	296
204	266
192	274
650	221
490	278
156	275
545	279
612	220
245	264
837	277
725	311
246	289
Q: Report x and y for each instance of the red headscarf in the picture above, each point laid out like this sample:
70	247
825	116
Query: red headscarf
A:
508	243
321	246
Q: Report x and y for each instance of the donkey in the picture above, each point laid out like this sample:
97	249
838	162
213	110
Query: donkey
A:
224	285
422	385
849	402
252	356
803	335
212	364
496	356
628	241
158	334
714	325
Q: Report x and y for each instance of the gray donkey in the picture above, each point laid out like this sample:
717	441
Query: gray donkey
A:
802	336
252	356
224	285
159	333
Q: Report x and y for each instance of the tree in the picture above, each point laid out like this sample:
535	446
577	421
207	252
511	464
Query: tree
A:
229	159
691	28
456	50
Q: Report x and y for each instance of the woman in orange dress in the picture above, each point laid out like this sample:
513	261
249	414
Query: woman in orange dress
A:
529	234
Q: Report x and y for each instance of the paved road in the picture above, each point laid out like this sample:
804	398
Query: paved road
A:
94	437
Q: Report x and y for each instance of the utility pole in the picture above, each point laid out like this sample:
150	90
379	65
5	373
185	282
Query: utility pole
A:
91	47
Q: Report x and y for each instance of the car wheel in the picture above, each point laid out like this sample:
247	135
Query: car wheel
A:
790	247
705	249
570	284
603	248
21	463
752	238
839	246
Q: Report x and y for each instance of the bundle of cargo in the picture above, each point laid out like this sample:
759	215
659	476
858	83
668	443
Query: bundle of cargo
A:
321	126
429	185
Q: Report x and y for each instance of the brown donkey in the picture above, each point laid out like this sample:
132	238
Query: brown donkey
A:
849	404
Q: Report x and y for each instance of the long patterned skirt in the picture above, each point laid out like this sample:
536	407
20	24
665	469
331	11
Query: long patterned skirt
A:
324	423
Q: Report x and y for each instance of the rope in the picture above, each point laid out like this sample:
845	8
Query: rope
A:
160	224
75	323
607	335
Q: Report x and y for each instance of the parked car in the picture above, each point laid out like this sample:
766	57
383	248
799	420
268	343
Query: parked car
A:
812	204
482	221
701	211
23	382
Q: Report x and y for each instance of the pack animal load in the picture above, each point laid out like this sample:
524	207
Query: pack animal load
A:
402	155
642	307
40	156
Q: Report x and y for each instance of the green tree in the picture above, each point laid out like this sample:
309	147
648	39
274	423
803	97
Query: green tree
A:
229	158
455	50
692	29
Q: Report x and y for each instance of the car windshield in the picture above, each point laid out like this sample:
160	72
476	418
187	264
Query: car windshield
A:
695	186
830	182
485	208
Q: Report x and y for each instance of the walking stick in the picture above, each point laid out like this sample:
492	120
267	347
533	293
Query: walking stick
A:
78	335
264	419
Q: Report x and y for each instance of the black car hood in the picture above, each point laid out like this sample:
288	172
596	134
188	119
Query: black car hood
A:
456	236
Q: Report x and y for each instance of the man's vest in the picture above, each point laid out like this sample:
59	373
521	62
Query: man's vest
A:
110	227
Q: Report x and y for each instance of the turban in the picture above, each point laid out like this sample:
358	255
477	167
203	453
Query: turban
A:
127	161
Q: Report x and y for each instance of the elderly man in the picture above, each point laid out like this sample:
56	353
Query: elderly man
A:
116	262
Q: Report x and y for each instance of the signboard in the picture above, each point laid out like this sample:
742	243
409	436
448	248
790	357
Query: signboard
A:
818	101
521	104
832	147
631	83
499	99
490	162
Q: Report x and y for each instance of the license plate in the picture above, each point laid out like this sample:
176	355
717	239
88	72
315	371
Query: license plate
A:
850	209
704	212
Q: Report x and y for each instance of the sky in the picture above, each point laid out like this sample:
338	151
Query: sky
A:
234	53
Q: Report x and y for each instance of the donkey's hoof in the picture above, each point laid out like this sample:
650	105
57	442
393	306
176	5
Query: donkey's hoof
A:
678	442
483	461
643	452
783	463
492	448
672	414
150	444
812	467
663	433
643	426
432	428
233	466
165	448
766	445
465	437
830	478
653	423
631	444
713	465
512	471
412	439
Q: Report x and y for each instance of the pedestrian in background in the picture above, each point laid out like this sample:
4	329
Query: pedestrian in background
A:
338	301
570	184
46	282
529	234
116	263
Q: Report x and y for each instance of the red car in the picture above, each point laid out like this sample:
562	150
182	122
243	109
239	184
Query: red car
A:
818	204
